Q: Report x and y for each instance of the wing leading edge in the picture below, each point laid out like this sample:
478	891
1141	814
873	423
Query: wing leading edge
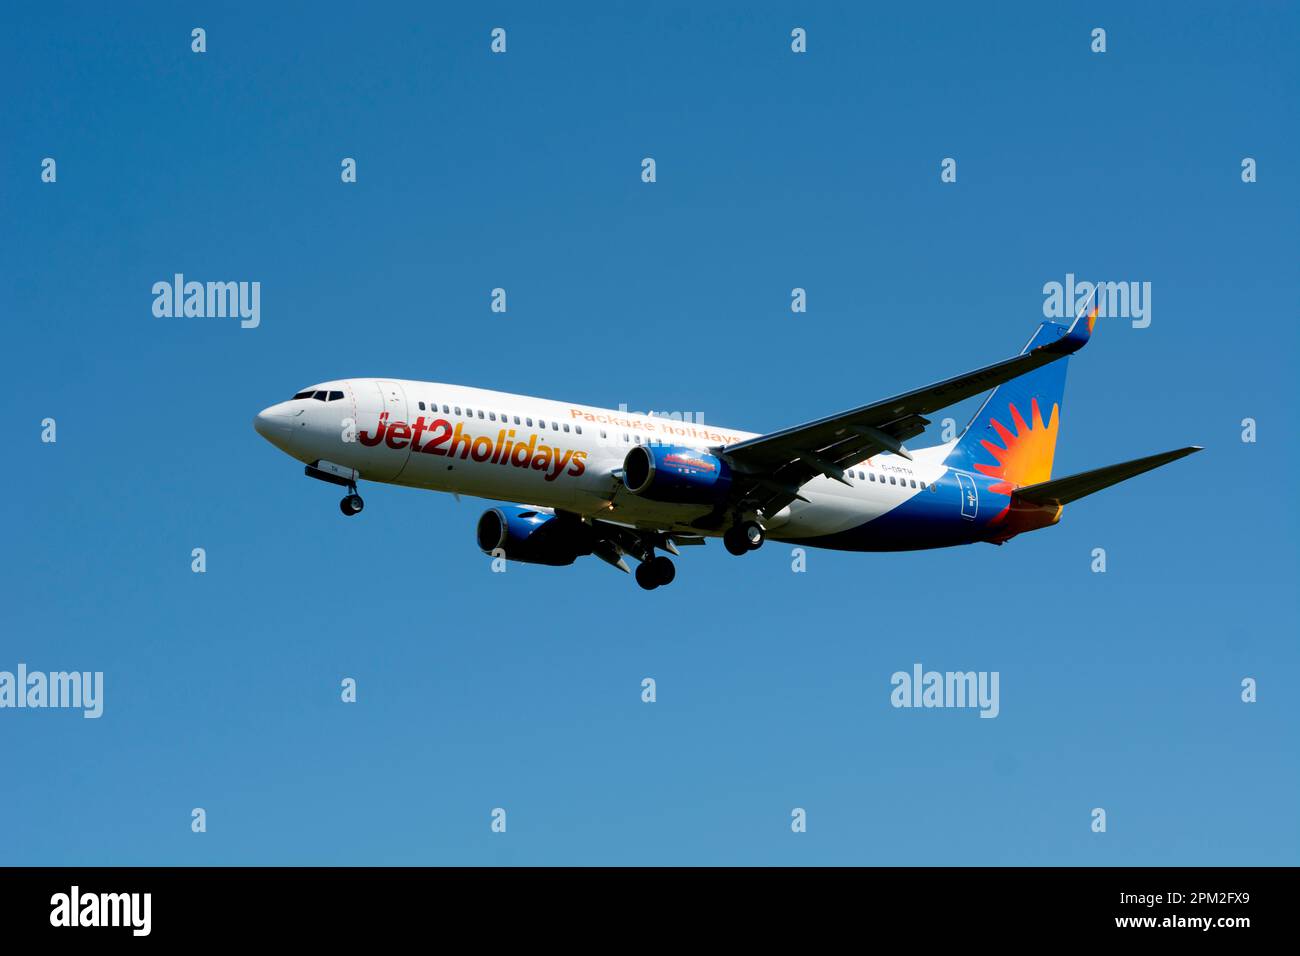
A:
771	468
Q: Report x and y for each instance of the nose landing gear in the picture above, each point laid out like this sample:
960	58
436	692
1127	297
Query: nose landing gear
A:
339	475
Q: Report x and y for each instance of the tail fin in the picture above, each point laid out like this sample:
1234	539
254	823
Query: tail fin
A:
1013	436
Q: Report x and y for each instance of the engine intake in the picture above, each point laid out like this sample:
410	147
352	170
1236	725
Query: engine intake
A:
676	474
533	537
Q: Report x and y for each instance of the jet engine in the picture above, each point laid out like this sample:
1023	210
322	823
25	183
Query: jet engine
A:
531	536
676	474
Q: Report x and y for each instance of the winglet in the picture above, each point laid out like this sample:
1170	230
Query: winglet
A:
1077	335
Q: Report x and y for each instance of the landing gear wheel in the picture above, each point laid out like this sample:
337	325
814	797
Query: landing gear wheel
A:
662	569
746	536
645	576
352	505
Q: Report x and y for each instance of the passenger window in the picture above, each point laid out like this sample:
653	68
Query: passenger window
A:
625	438
529	421
480	413
516	419
492	416
422	406
446	410
566	426
923	486
637	439
892	481
555	426
602	433
457	409
578	429
913	482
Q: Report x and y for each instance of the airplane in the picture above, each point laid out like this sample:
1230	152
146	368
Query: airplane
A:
617	485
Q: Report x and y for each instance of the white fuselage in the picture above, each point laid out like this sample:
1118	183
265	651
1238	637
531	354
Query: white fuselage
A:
557	455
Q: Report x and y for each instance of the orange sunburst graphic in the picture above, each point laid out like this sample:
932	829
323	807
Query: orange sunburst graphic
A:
1092	320
1026	458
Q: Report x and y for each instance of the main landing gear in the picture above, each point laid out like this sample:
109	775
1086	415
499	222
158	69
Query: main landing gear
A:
352	504
743	537
654	572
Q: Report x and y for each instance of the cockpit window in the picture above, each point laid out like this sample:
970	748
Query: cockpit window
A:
306	394
334	396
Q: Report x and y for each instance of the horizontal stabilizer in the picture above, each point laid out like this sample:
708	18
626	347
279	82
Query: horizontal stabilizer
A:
1061	491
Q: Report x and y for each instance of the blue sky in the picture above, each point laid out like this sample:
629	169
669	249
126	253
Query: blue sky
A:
522	691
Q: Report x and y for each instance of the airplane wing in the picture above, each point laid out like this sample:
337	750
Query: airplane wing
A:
771	468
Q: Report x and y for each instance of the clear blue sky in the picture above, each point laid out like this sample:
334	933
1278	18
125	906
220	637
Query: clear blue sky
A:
479	690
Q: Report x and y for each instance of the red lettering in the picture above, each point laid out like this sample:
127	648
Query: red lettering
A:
437	437
365	438
419	430
398	432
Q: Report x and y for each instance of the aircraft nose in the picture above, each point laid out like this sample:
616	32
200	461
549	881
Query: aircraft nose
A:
274	424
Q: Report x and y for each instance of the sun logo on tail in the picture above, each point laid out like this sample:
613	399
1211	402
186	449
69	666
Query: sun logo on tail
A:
1025	457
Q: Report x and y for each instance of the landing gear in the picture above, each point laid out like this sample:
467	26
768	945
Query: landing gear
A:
352	505
742	537
654	572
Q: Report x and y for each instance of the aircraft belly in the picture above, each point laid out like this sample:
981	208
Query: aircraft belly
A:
829	513
920	521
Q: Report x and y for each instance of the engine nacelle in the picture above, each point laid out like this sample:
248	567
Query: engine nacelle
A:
534	537
676	474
